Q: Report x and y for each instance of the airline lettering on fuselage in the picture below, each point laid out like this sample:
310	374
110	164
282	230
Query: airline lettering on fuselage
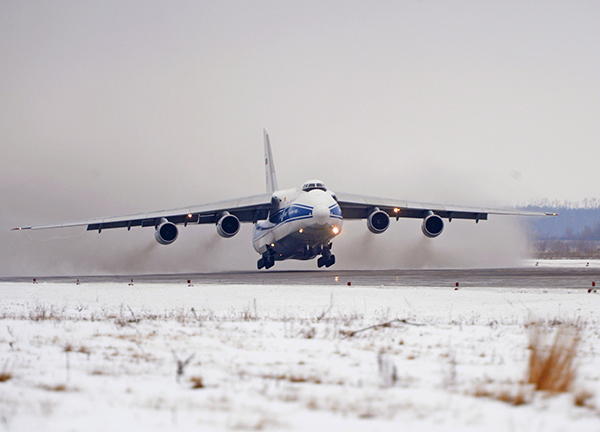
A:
291	213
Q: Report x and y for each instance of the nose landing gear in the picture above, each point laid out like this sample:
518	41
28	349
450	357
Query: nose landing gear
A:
327	259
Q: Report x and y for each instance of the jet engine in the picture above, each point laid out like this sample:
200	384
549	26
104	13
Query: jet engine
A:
228	225
432	226
166	233
378	221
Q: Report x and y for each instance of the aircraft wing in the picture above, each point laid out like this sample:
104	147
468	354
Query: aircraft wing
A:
360	207
248	209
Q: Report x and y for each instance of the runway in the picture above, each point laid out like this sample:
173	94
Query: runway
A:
529	277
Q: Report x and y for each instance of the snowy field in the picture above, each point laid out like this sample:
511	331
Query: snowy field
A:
104	356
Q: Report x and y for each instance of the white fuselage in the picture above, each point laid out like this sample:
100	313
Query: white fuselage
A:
300	225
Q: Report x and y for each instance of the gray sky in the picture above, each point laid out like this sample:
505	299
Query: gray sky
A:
113	107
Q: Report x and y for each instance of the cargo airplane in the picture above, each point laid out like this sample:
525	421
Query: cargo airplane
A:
297	223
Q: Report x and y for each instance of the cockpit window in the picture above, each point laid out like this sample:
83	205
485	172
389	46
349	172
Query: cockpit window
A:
311	185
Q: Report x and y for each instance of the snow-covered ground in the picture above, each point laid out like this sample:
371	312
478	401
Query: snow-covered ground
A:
103	356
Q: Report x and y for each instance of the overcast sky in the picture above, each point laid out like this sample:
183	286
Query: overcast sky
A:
113	107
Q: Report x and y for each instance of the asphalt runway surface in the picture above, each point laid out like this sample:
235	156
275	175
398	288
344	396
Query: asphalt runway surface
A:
531	277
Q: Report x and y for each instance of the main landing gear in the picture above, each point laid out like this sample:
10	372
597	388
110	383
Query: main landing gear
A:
267	261
327	259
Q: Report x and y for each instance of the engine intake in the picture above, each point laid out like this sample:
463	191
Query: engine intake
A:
378	221
228	225
166	233
432	226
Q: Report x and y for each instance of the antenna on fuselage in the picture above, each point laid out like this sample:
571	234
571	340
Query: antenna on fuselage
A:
269	165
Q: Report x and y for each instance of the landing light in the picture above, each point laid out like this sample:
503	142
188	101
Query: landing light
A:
189	215
301	231
396	210
336	230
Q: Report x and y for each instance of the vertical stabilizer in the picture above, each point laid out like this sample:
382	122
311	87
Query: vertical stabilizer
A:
269	166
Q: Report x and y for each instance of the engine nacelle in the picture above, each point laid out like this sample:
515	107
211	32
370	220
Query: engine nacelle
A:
228	226
166	233
432	226
378	221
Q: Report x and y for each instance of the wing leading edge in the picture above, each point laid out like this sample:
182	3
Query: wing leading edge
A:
361	206
247	209
255	208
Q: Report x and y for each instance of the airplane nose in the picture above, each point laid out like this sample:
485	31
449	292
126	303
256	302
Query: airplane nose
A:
321	214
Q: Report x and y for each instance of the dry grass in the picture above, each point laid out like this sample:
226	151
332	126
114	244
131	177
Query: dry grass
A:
516	399
293	378
84	350
56	387
582	398
552	368
41	312
482	392
5	376
520	397
197	382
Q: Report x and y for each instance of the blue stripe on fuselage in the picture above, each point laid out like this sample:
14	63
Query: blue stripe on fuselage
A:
296	212
291	213
335	211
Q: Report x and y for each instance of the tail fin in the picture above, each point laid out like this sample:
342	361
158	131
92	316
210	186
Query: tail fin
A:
269	165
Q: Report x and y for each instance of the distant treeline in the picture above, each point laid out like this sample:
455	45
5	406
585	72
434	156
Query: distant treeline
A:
575	233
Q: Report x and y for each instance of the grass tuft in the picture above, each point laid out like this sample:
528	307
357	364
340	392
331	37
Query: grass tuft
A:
552	368
520	397
197	382
56	387
582	398
5	376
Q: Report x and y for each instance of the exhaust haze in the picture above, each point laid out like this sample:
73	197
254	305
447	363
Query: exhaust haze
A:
118	107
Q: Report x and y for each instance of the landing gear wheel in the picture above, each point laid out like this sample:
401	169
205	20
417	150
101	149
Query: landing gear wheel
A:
266	262
326	260
330	261
270	263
